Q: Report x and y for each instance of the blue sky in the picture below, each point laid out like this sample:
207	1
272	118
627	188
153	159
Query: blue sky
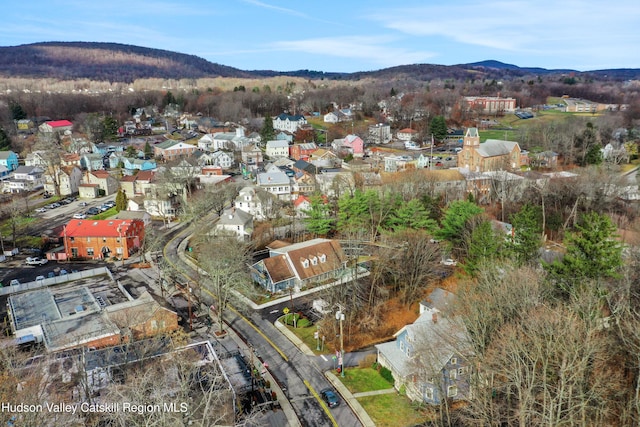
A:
347	35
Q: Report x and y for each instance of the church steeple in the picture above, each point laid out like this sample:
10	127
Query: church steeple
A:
472	138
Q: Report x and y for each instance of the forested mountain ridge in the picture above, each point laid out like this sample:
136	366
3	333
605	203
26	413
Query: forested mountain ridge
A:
125	63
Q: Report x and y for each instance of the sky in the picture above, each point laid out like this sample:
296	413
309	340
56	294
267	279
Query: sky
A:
347	35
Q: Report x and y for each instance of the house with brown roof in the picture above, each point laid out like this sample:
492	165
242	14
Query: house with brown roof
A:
67	178
300	264
105	182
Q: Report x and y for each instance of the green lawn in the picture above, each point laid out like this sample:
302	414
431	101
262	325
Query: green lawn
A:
106	214
391	410
306	335
364	379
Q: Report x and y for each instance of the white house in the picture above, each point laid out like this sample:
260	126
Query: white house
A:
25	178
252	202
276	183
217	158
277	148
235	222
289	123
69	179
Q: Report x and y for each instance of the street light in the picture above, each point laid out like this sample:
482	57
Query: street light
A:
340	317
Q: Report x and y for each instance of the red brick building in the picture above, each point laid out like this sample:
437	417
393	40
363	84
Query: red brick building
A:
100	239
302	151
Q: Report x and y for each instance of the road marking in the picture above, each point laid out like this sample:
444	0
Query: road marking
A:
324	358
274	311
324	405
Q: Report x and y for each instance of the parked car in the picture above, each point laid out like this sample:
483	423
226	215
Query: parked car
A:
93	211
14	282
79	215
330	397
41	210
39	278
51	274
83	204
104	208
55	205
36	261
110	203
449	262
63	272
439	164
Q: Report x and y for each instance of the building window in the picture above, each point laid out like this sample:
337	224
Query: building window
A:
454	360
401	345
462	371
305	263
119	250
452	391
90	252
104	240
74	252
72	239
453	374
428	393
314	261
323	258
88	239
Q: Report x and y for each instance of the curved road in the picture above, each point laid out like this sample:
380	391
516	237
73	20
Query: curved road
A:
292	369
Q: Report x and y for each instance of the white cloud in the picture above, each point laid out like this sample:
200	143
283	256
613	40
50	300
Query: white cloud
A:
276	8
373	49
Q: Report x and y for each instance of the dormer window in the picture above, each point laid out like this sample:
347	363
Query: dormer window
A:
305	263
314	261
323	258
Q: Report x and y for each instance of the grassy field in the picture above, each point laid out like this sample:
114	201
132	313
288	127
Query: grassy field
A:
364	379
391	410
306	335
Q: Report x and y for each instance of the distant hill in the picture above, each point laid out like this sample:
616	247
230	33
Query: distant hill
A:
126	63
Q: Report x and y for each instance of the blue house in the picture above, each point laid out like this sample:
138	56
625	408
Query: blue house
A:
138	164
9	159
429	358
92	162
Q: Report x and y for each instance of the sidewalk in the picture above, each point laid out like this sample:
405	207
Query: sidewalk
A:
351	400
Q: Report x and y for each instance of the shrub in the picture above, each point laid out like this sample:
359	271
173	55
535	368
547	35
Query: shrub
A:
386	374
304	323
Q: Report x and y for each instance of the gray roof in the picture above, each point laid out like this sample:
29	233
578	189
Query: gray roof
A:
273	178
496	147
235	217
277	143
440	299
472	132
6	154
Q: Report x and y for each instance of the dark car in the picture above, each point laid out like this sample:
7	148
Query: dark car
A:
330	397
93	211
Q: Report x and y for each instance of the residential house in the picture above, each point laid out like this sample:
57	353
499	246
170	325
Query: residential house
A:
351	143
254	201
334	184
303	183
142	318
56	126
234	222
25	125
102	239
289	123
68	179
71	159
277	148
131	166
5	173
230	141
25	178
337	116
379	133
36	158
220	158
407	134
395	163
172	150
302	151
302	204
106	183
302	167
276	183
9	159
429	358
92	162
324	158
491	155
252	156
284	136
300	264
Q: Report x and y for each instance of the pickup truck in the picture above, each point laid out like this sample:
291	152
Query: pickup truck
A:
36	261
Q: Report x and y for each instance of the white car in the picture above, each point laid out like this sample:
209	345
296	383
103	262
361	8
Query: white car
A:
450	262
41	210
36	261
79	215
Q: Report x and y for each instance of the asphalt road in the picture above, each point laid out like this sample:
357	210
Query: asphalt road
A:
288	365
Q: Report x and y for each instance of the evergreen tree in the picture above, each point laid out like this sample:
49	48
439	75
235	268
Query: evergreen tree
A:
483	246
527	229
121	201
267	133
5	141
318	221
17	112
454	221
438	128
592	253
148	151
413	215
109	128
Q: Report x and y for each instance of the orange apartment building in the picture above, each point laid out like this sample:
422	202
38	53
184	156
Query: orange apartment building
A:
102	239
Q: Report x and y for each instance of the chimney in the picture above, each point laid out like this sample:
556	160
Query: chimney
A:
434	317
